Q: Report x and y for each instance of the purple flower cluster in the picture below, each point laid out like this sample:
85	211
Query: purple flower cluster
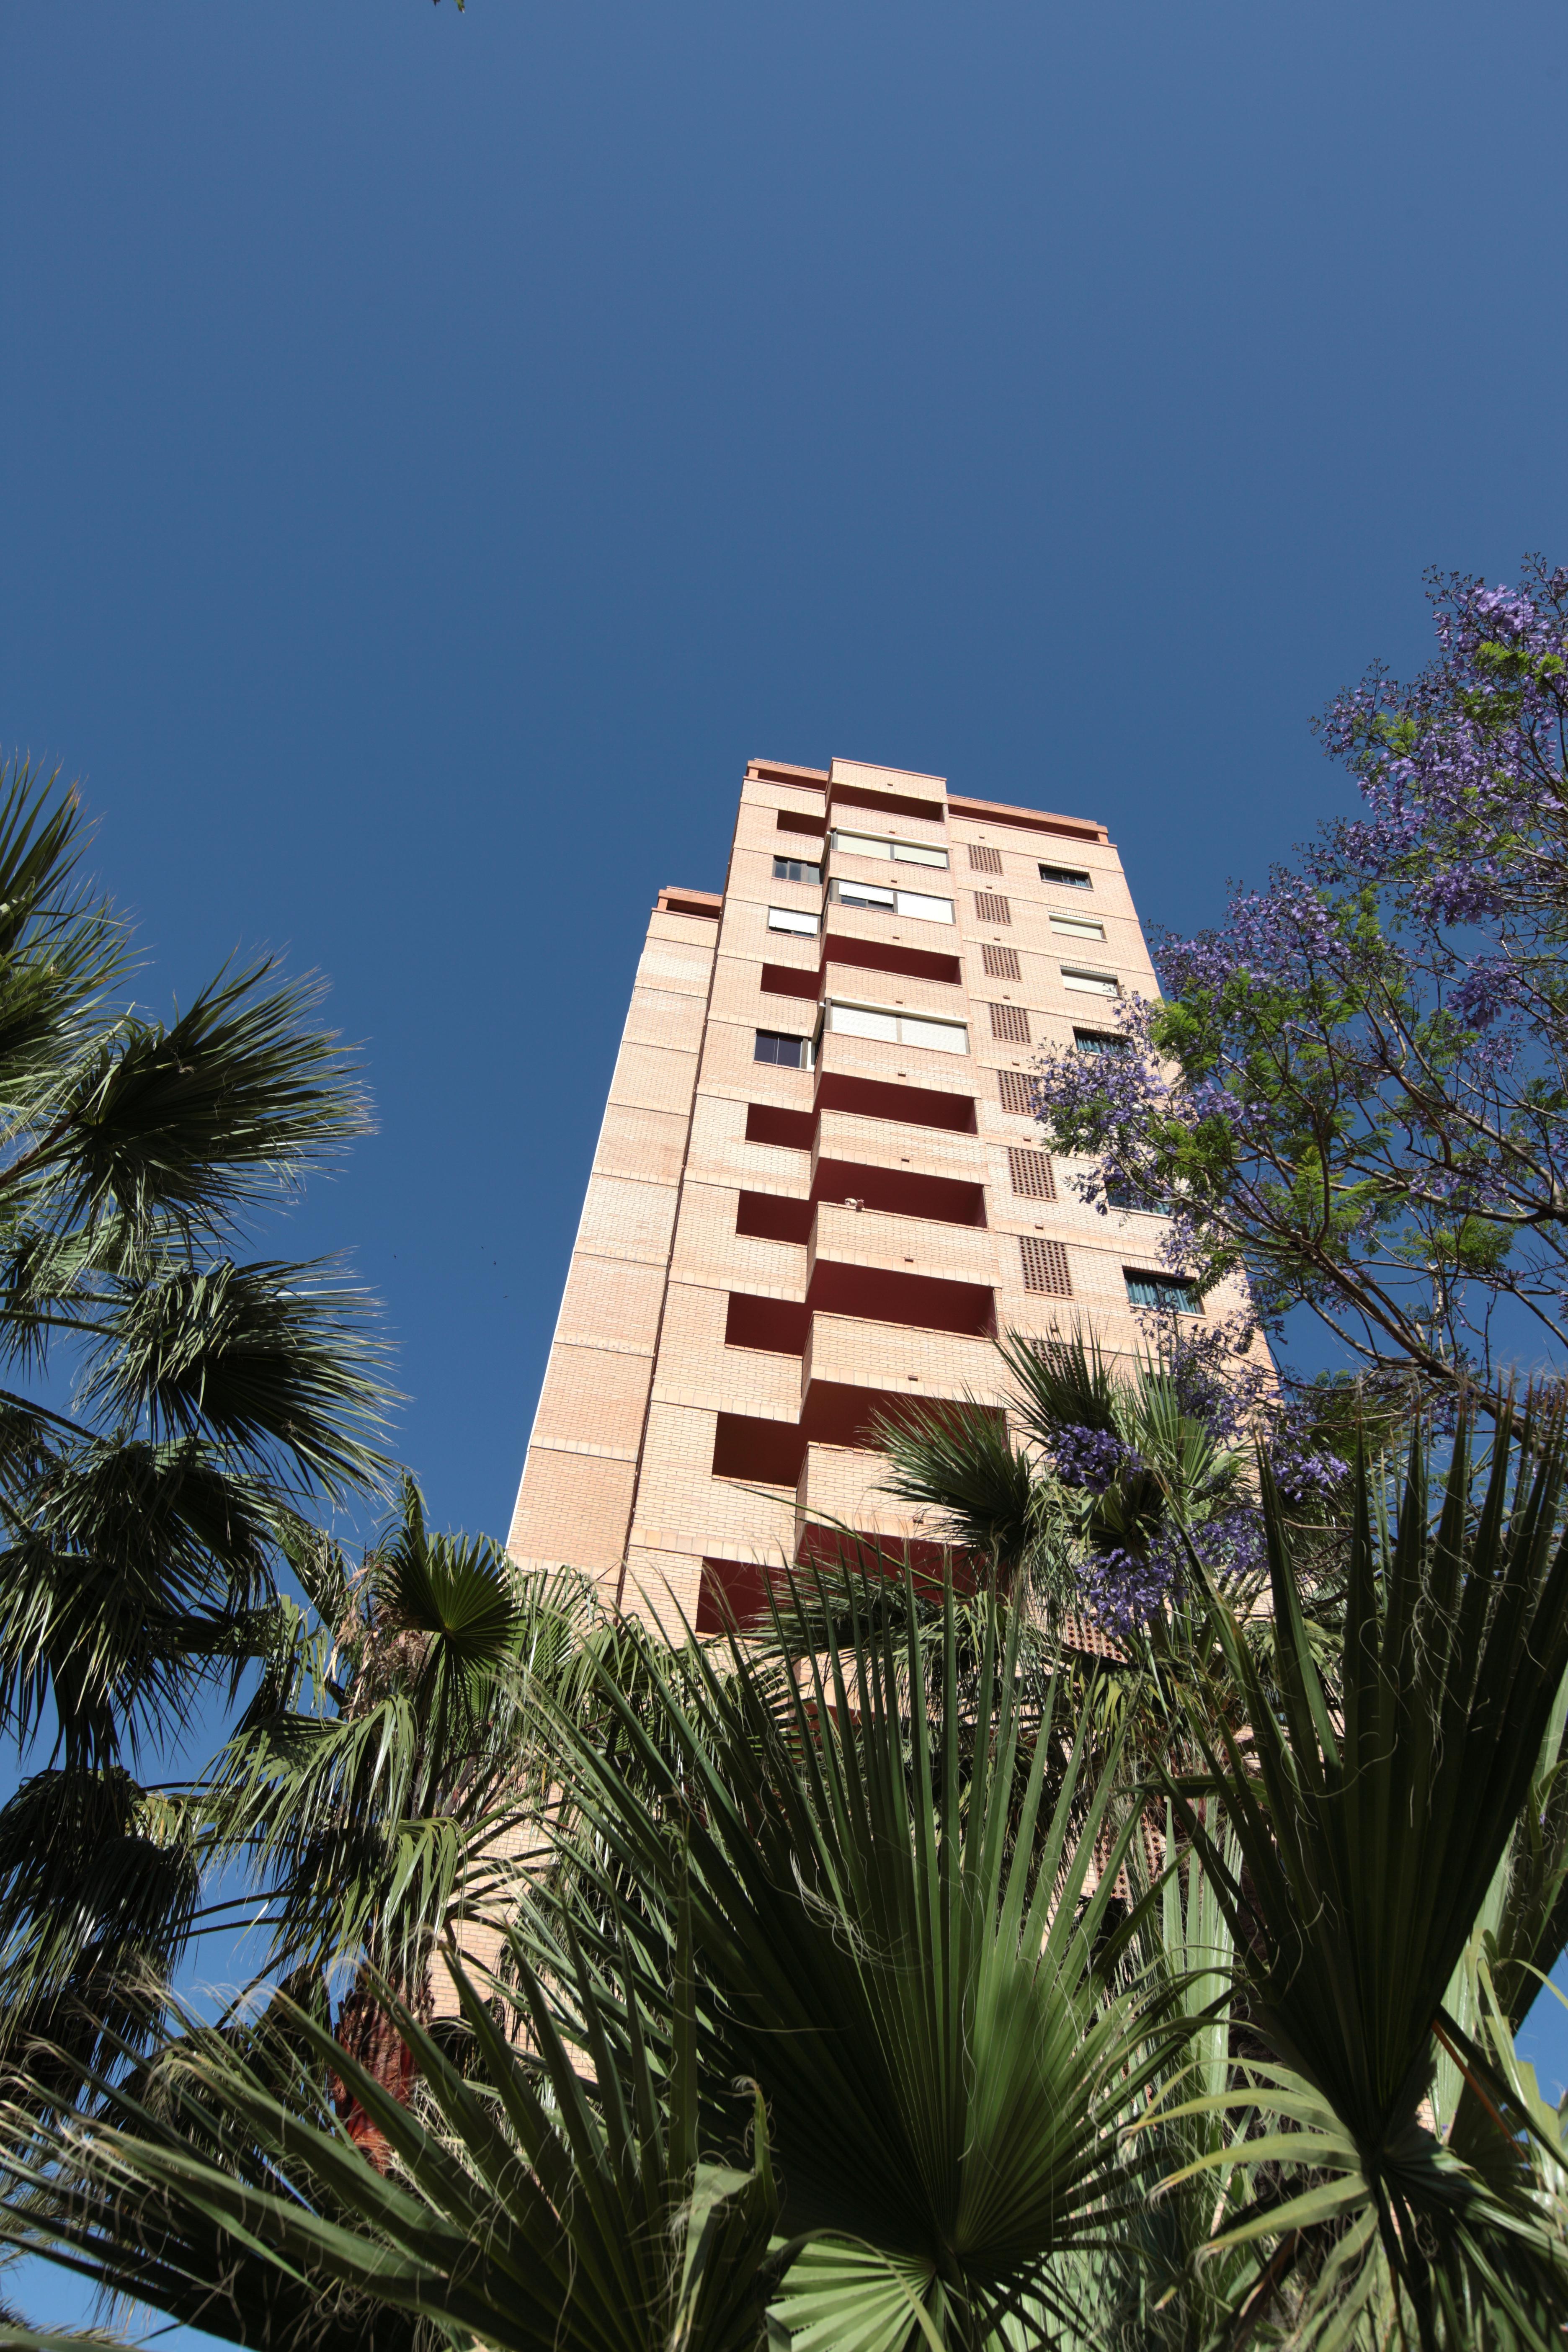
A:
1125	1588
1373	1049
1090	1458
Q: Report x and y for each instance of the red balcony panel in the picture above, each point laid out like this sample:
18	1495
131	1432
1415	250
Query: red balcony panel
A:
886	1295
837	1552
838	1415
777	1326
792	821
900	1193
770	1217
913	1105
764	1453
766	1123
788	980
888	803
736	1592
881	955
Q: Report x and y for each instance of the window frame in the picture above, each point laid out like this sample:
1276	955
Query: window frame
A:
1082	980
1166	1282
795	922
783	1037
893	852
1076	927
902	901
811	878
1070	877
899	1016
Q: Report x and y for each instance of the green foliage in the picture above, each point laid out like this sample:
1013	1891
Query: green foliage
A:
1372	1818
529	2208
907	1950
187	1406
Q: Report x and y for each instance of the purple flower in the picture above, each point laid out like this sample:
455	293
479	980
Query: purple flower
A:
1090	1458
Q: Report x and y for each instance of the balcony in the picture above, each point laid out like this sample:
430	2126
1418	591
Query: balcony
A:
961	1255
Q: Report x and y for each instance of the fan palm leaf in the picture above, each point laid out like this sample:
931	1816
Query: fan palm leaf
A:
530	2207
906	1951
1370	1828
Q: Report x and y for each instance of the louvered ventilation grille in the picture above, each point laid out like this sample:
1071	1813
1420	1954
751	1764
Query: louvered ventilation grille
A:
991	908
1031	1173
983	860
1045	1266
1015	1092
1011	1021
1001	964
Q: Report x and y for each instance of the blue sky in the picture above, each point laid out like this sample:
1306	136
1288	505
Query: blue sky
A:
437	450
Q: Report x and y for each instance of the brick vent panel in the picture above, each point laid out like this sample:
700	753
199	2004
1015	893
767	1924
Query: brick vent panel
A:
1045	1266
1001	964
1018	1095
1032	1173
1011	1021
990	906
983	860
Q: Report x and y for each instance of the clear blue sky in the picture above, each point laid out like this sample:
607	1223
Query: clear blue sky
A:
437	450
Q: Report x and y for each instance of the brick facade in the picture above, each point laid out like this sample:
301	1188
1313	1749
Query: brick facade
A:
768	1256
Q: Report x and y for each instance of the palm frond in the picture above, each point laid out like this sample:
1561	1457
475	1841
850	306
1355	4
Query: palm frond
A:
960	1465
902	1946
1371	1829
529	2207
275	1362
240	1095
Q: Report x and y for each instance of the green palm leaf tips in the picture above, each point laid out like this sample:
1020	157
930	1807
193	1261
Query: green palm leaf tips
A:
911	1955
1373	1817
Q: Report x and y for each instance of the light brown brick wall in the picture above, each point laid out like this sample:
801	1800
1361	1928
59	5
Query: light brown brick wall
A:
619	1477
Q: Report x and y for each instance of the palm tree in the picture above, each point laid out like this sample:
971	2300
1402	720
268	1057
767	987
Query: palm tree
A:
172	1407
1089	1506
844	2016
1374	1814
385	1790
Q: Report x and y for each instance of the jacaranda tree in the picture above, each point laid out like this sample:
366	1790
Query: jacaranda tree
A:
1356	1090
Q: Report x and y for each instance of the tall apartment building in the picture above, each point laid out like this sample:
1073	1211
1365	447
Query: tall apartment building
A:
818	1192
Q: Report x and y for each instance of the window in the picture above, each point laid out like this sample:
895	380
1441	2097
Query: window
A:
1045	1266
793	919
1097	1040
788	1053
904	853
1067	876
796	869
898	1028
866	894
1076	927
1169	1291
983	860
912	903
991	908
1016	1092
924	909
1001	964
1010	1021
1031	1172
1090	983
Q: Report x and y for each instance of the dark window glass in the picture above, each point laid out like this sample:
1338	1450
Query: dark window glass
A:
787	1053
796	869
1096	1041
1068	877
1166	1290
